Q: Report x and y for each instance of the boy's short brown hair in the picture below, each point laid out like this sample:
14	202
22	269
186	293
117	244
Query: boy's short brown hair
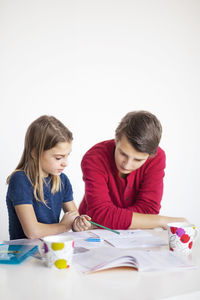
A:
142	129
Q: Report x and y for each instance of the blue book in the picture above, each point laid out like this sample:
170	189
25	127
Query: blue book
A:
15	254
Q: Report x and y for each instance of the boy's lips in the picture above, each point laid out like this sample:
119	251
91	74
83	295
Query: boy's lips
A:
125	170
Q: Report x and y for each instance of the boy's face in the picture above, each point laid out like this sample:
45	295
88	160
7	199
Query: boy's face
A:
128	159
54	160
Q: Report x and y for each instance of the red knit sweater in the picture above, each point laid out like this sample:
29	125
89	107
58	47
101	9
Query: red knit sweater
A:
111	200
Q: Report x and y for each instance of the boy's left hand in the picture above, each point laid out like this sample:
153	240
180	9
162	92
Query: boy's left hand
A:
81	223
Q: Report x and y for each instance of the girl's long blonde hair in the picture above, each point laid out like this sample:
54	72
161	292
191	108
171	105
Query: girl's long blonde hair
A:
43	134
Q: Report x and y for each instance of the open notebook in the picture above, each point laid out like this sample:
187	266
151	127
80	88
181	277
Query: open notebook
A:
142	260
15	254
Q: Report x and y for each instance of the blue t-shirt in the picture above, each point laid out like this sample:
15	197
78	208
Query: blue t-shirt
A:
20	191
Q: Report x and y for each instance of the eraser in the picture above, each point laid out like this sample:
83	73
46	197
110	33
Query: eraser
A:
93	240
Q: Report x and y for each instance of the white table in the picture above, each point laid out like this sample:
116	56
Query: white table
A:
32	280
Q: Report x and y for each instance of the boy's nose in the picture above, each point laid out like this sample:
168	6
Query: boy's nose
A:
128	165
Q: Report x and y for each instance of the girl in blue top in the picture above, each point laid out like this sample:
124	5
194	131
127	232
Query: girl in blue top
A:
38	189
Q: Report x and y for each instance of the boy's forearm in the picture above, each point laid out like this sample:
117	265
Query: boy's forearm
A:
147	221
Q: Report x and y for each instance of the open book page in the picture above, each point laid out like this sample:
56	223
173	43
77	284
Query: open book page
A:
159	260
143	260
130	238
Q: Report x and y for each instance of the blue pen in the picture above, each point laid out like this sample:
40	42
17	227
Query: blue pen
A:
93	240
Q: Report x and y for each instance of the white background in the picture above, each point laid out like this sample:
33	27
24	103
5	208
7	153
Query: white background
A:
89	62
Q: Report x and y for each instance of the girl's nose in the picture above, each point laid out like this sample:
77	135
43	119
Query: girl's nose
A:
64	163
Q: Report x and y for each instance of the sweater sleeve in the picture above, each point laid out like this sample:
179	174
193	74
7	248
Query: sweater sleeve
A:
150	190
100	206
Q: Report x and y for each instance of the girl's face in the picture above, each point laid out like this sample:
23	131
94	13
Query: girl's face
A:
128	159
54	160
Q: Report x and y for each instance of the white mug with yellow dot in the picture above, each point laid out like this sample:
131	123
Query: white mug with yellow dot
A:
57	251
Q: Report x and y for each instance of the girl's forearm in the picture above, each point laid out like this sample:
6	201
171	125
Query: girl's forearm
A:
40	230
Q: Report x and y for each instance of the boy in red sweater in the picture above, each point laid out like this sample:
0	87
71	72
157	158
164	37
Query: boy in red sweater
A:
124	177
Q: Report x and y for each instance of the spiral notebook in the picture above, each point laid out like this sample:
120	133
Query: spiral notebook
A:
15	254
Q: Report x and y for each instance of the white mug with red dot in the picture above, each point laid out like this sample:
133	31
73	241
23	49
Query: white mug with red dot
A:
181	237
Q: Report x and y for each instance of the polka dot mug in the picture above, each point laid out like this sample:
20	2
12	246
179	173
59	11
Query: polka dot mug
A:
181	237
57	251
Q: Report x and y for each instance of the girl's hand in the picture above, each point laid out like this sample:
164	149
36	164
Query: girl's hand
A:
81	223
68	219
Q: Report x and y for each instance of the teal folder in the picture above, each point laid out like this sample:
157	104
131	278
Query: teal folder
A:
15	254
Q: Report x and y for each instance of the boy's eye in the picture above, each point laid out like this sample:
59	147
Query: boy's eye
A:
123	154
58	158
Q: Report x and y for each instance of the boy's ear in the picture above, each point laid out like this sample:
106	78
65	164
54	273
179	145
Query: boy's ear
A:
116	141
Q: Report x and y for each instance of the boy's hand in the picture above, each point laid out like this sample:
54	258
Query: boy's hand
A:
81	223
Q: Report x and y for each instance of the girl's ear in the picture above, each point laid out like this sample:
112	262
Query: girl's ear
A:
33	153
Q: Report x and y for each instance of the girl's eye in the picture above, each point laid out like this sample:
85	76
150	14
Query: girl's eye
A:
58	158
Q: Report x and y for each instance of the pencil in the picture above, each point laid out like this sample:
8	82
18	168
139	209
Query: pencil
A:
8	251
117	232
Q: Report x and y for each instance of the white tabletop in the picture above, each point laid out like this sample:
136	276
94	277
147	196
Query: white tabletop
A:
32	280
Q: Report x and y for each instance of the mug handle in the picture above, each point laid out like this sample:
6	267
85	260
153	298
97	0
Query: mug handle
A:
197	229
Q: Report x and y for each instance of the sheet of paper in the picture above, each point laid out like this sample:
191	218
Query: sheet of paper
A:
81	235
89	245
130	238
126	239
